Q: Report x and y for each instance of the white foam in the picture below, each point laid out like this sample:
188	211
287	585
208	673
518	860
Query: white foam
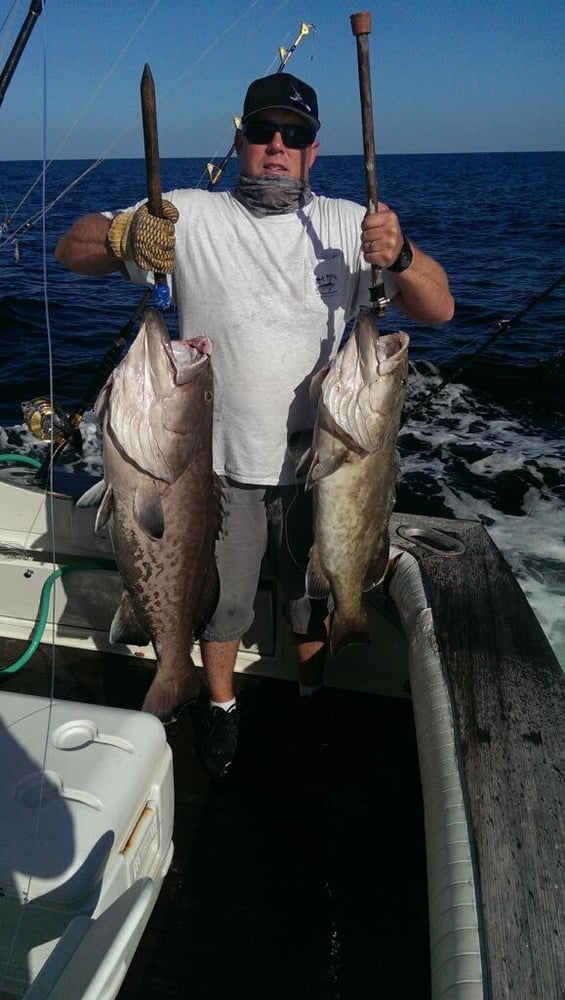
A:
455	424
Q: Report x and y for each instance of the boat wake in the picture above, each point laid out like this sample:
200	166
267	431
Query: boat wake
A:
465	455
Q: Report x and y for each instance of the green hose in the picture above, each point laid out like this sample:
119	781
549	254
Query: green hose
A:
25	459
44	610
47	586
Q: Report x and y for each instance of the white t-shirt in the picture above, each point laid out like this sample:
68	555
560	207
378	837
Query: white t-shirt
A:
274	295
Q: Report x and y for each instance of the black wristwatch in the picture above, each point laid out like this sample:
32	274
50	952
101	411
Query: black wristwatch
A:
404	259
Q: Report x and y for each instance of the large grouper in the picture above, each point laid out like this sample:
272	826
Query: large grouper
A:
353	472
161	501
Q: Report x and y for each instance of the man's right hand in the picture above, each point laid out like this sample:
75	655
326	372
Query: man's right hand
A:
146	239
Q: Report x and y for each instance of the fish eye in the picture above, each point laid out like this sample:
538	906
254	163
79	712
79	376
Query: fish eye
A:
208	396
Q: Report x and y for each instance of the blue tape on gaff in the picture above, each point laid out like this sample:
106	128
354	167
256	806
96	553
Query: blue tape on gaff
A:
161	296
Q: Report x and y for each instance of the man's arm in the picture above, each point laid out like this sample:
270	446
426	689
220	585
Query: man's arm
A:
96	246
423	288
84	248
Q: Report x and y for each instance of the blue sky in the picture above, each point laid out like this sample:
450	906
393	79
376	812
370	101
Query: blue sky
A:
447	75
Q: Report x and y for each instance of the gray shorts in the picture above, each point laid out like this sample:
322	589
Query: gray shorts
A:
274	522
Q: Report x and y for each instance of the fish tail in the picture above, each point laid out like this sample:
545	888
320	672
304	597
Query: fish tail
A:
165	699
347	631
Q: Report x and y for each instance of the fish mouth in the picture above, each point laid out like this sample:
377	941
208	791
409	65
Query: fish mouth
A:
188	357
360	377
184	358
390	351
368	356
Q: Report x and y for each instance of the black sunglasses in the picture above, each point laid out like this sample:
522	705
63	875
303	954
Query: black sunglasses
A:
260	133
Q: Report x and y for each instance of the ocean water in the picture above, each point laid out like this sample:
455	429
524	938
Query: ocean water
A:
483	430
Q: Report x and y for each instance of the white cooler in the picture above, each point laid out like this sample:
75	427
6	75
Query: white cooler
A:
86	822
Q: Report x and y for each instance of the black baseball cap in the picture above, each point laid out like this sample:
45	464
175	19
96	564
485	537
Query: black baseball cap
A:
282	90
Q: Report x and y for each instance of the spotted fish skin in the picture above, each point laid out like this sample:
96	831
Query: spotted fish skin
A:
161	501
353	472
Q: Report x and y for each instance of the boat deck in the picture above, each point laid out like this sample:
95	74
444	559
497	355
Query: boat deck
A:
288	879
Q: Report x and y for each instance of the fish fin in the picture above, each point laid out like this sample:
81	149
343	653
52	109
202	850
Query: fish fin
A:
208	597
304	464
105	510
349	631
165	699
148	509
319	470
300	449
100	495
378	568
93	496
126	627
317	583
309	481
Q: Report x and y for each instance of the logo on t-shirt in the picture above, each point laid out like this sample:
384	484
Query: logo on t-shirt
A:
326	284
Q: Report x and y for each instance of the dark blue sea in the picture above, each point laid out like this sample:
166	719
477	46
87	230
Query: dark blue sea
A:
483	434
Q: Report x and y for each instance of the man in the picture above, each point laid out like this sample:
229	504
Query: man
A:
271	273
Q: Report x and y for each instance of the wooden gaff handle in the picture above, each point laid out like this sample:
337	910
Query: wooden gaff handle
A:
151	144
361	27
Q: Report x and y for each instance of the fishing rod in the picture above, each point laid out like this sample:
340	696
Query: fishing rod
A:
35	8
502	326
215	172
49	423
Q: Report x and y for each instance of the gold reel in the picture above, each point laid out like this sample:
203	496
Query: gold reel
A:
47	421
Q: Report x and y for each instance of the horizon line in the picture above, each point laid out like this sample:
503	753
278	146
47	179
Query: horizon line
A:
468	152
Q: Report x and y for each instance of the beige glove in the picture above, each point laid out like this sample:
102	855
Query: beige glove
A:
146	239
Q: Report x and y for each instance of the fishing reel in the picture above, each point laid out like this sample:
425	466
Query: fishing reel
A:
49	423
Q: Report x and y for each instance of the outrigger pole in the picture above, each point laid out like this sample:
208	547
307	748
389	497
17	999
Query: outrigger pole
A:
215	172
35	8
